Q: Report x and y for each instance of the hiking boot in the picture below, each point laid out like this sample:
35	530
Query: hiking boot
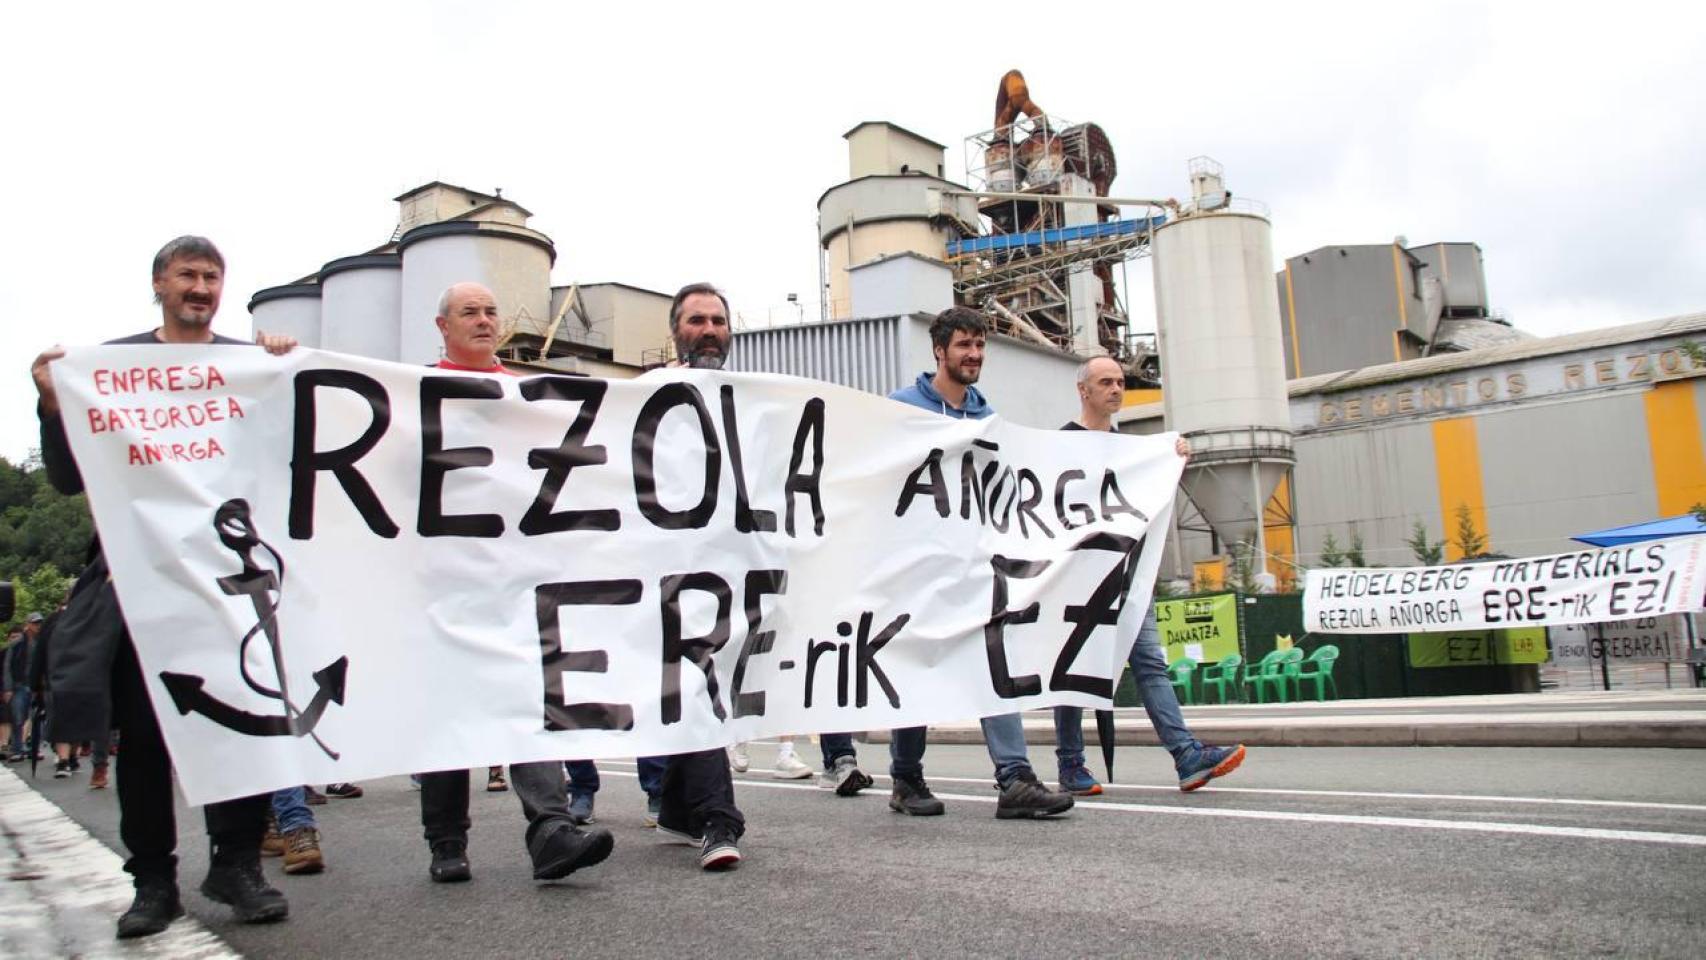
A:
846	779
1199	766
61	769
1025	798
302	851
313	797
718	851
738	760
1079	781
241	886
653	806
343	791
790	767
567	849
450	861
156	905
580	808
272	842
912	797
495	782
98	778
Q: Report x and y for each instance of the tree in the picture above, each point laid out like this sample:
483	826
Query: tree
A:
1353	556
1331	555
40	592
1241	572
1470	541
1428	554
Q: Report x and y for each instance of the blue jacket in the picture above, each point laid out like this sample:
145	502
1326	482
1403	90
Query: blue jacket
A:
922	394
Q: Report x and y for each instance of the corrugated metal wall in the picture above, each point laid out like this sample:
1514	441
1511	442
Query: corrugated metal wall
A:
862	354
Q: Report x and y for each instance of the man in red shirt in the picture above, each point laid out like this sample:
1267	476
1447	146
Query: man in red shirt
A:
468	320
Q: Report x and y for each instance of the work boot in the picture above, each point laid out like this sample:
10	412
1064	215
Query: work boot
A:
272	842
847	779
912	797
98	778
450	861
1025	798
302	851
240	885
568	848
156	905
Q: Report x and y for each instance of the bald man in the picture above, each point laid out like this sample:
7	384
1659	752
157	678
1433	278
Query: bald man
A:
1101	393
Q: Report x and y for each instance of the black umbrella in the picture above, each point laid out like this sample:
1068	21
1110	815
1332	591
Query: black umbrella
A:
1105	736
38	716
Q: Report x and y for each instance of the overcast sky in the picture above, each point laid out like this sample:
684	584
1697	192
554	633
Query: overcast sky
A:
658	145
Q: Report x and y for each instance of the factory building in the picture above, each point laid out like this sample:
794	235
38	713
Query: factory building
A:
380	303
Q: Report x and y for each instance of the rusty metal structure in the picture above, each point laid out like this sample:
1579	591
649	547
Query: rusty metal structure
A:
1041	259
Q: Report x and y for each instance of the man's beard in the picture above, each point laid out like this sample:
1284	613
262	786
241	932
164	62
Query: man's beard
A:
963	379
189	318
700	359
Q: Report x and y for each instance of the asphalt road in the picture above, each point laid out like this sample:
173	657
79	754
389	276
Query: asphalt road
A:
1304	852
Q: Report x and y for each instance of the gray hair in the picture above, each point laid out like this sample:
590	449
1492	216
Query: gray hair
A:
444	301
186	247
1084	368
688	291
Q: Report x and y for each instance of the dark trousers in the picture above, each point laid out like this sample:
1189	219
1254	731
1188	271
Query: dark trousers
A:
583	777
699	792
651	770
540	787
147	822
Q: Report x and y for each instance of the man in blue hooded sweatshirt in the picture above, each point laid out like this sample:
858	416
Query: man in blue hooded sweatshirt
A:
957	338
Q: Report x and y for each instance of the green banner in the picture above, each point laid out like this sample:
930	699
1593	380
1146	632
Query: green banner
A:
1202	628
1474	648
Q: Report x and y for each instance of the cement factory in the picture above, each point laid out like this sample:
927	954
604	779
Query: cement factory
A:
1361	390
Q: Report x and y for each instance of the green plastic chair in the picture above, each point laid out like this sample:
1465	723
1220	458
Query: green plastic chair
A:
1180	672
1253	671
1220	676
1277	676
1318	669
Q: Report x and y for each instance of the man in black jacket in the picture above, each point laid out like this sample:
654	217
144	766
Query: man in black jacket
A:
94	666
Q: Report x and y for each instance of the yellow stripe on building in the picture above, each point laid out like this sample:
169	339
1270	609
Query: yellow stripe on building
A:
1291	311
1403	314
1279	534
1673	435
1457	458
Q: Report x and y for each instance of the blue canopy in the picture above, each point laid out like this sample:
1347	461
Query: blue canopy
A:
1651	530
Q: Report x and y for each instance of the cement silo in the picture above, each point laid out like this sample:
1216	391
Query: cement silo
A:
514	261
1217	317
292	310
360	305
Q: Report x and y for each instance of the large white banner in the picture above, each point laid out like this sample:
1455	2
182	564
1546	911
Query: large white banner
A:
1586	586
337	568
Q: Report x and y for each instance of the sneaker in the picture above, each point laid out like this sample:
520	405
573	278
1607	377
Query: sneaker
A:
738	760
242	887
76	764
302	851
450	861
789	767
313	797
569	848
580	808
846	779
98	778
1079	781
1203	764
718	851
912	796
156	905
1025	798
61	769
272	842
495	782
653	806
343	791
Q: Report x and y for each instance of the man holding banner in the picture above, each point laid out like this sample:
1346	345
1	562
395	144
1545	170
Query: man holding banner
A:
95	668
468	320
1101	393
957	338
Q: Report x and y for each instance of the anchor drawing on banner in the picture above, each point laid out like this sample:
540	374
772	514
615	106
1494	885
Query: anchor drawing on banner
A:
263	587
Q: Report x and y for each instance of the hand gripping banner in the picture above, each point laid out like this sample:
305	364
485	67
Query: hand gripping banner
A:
336	568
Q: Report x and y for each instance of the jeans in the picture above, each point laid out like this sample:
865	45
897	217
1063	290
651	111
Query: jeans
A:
541	787
583	777
20	716
651	770
290	806
1149	669
1004	736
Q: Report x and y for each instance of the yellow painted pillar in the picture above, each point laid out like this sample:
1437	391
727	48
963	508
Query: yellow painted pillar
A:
1673	436
1457	460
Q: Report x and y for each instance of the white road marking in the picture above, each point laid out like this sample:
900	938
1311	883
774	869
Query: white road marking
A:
1413	823
61	890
